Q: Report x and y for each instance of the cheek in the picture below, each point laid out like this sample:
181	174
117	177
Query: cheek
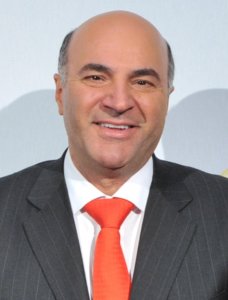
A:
81	99
155	115
78	108
156	108
70	110
71	104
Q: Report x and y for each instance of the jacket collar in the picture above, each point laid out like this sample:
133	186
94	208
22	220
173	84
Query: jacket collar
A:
51	232
166	234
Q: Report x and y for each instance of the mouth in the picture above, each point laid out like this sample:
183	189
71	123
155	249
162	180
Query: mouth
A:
115	126
114	131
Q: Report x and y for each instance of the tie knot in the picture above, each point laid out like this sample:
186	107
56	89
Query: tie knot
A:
109	213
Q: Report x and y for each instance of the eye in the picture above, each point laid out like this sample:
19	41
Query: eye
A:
93	77
144	84
95	80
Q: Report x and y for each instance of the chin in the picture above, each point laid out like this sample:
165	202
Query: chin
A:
113	163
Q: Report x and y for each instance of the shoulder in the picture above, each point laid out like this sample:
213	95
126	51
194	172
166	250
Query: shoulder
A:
23	180
196	179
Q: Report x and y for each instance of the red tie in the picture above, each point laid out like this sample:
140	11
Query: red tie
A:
111	280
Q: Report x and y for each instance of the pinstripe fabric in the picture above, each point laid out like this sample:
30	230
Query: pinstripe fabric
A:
39	251
183	249
183	252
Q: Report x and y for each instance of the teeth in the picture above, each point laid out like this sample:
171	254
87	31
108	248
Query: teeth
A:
122	127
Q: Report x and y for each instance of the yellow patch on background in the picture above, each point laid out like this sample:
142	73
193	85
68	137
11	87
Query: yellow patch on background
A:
225	173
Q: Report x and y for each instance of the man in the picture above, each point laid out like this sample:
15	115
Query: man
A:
114	81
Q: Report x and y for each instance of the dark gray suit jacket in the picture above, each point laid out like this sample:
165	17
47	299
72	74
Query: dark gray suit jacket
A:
183	250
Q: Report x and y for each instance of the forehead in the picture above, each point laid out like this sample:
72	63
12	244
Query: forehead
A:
118	40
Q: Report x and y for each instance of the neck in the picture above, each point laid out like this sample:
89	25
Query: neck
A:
105	179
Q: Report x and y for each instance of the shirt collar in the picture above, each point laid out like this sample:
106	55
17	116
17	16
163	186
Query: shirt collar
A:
135	189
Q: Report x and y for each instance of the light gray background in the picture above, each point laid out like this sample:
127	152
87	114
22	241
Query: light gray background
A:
31	33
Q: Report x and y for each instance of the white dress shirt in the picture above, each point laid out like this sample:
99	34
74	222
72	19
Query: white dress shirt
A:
80	191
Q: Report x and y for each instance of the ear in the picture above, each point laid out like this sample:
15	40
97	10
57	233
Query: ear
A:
171	90
59	92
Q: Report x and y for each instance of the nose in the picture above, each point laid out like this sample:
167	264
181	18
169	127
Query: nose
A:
118	98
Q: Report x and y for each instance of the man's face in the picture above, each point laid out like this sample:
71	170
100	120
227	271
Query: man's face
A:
115	97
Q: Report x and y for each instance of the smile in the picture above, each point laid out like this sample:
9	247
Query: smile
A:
114	126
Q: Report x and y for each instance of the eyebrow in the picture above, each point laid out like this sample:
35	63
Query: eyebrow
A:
146	72
107	70
95	67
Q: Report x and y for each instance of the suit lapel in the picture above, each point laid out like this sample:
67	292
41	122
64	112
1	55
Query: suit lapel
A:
51	232
166	235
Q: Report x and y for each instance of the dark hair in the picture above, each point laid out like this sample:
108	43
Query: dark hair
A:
63	59
171	66
63	53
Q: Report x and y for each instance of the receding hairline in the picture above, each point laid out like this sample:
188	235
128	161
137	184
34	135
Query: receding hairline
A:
64	50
